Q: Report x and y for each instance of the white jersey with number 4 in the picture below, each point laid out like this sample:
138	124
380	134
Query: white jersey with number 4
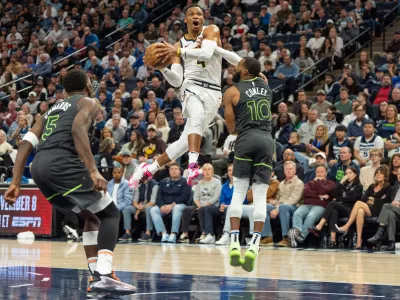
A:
199	70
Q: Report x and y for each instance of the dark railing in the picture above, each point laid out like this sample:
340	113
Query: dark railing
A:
316	64
394	11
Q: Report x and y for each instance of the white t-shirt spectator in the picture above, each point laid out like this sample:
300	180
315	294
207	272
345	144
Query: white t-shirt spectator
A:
315	44
130	58
115	192
18	36
105	59
33	106
263	59
364	146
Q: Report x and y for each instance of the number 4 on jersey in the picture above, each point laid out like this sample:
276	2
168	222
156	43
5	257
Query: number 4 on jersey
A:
50	125
201	63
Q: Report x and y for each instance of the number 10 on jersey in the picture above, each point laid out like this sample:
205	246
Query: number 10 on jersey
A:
260	110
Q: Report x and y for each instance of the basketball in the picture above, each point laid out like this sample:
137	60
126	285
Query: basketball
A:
152	60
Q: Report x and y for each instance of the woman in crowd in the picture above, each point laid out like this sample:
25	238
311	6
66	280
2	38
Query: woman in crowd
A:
337	45
137	104
303	115
394	166
352	86
304	61
162	126
206	193
319	144
105	160
151	118
387	127
211	211
27	110
136	144
274	27
381	116
371	203
122	87
290	26
346	193
283	128
327	52
126	70
14	97
364	60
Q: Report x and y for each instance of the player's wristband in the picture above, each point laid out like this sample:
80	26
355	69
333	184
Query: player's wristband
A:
178	52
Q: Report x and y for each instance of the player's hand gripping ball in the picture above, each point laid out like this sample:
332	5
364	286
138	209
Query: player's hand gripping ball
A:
153	58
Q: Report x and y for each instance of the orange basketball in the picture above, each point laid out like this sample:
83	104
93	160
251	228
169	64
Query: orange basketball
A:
152	60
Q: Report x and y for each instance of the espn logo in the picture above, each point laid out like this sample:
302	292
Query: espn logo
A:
26	222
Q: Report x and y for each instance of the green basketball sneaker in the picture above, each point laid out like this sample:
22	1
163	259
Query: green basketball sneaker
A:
250	258
235	258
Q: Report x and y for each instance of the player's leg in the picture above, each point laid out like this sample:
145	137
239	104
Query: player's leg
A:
262	169
239	194
191	135
105	210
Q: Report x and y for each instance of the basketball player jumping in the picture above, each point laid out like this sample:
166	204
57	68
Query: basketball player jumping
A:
197	71
65	172
248	104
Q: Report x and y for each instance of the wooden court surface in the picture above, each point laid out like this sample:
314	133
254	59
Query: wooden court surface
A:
288	264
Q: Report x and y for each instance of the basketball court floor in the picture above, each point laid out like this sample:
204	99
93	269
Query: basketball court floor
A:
57	270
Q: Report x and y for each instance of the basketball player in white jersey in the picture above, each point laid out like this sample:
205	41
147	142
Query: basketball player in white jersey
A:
197	71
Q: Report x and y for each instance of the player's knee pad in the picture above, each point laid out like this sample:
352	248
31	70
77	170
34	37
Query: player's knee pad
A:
110	212
259	200
239	194
89	238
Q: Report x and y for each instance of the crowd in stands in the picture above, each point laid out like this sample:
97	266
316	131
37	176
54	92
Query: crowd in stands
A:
332	150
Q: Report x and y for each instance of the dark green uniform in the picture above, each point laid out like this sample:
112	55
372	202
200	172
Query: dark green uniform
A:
57	169
254	146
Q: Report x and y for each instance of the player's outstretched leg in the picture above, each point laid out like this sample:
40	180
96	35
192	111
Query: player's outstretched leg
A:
259	214
104	282
235	211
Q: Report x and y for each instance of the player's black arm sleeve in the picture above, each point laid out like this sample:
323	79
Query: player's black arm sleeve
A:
80	129
24	149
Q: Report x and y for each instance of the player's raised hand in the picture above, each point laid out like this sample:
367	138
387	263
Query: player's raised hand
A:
167	51
263	77
99	183
12	194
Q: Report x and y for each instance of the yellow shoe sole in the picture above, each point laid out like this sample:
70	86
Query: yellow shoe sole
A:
235	258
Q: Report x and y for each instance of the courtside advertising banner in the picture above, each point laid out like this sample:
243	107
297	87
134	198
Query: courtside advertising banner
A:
31	212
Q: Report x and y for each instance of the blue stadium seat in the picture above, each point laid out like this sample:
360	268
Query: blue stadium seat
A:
294	38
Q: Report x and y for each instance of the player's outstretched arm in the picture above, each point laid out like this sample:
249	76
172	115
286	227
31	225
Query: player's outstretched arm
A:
30	140
88	108
230	56
231	96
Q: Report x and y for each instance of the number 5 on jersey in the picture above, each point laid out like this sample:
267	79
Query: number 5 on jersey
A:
260	111
50	125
